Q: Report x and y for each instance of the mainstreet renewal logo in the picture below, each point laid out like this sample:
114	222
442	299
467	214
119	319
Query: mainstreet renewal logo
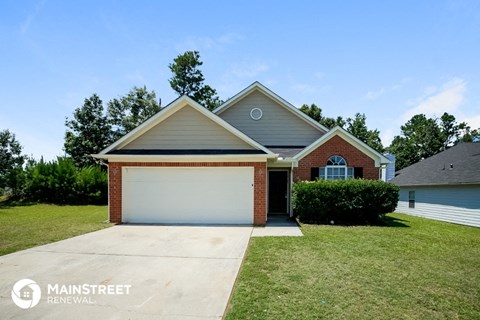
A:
26	293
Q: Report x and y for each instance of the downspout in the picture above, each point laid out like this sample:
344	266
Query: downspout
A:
383	173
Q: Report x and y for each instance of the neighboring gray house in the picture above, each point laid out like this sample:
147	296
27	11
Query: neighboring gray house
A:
443	187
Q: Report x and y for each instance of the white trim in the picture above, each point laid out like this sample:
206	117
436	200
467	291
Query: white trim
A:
256	118
290	209
155	209
345	168
258	86
338	131
284	163
186	158
169	110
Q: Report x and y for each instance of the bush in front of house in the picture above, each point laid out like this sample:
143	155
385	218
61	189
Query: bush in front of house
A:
60	181
351	201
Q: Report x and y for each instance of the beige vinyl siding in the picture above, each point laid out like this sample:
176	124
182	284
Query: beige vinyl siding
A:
188	129
277	127
457	204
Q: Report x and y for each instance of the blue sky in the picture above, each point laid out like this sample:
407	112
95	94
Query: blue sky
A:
389	60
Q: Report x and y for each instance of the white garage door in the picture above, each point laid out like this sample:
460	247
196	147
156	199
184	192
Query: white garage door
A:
188	195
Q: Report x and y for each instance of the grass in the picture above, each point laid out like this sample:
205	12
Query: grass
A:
413	268
26	226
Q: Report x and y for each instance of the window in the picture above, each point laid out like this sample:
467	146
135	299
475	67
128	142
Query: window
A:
336	169
411	199
256	113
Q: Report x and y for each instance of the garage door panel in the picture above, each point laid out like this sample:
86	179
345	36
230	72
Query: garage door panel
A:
188	195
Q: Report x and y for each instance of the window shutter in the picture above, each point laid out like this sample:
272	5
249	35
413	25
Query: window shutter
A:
358	172
314	174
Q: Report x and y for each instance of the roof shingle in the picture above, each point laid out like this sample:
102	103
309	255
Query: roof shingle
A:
458	165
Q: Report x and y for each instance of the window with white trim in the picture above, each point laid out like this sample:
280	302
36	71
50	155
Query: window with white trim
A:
336	169
411	199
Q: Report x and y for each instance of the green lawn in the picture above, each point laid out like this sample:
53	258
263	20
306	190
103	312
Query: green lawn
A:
414	269
26	226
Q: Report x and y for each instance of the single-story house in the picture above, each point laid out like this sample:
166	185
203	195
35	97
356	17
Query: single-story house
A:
234	165
444	187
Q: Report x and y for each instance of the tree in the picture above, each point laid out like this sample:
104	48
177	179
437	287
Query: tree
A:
469	135
88	132
332	123
127	112
451	130
187	79
404	151
10	152
315	112
358	127
11	162
454	132
421	137
312	111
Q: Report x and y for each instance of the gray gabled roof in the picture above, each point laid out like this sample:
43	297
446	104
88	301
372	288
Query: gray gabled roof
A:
458	165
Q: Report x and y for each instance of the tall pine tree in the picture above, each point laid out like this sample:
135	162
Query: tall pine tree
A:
187	79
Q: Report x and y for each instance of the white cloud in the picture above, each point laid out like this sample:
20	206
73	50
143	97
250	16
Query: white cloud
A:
387	136
472	121
305	88
28	20
248	70
448	99
429	90
206	43
319	75
137	77
372	95
242	74
375	94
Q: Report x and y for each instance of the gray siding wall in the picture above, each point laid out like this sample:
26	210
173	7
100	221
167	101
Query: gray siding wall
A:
456	204
187	129
277	127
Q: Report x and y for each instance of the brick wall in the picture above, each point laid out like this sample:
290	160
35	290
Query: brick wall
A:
336	146
260	180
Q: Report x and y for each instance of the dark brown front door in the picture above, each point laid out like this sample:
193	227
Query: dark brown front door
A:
277	191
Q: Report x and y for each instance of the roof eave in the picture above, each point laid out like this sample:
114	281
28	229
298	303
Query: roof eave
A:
185	158
375	155
170	109
437	184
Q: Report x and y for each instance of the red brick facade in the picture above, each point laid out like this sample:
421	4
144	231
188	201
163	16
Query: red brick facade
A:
336	146
260	181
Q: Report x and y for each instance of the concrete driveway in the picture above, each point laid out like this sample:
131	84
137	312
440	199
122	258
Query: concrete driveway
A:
137	272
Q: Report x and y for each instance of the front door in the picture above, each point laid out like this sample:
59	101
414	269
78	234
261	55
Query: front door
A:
277	191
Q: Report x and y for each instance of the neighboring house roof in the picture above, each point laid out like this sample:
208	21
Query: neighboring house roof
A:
165	113
458	165
258	86
338	131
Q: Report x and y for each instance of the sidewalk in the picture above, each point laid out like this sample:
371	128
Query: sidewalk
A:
278	226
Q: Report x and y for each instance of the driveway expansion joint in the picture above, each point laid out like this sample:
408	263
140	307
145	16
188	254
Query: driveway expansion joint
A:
137	255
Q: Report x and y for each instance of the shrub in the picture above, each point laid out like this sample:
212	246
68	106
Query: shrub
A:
92	185
352	201
62	182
